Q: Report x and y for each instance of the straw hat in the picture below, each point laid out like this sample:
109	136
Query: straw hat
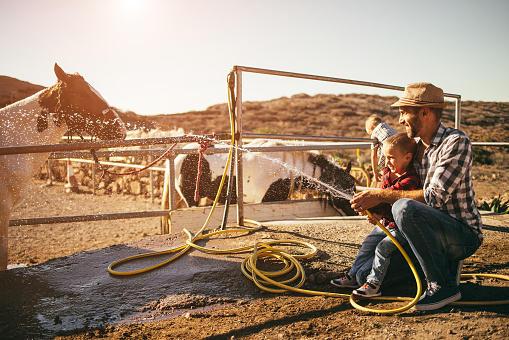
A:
423	95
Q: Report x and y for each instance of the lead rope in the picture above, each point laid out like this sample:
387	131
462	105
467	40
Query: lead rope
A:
134	172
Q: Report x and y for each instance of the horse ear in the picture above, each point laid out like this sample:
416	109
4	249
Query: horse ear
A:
61	75
348	167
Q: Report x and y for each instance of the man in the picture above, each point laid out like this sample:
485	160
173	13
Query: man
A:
440	222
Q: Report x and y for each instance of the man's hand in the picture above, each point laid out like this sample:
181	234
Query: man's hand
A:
365	200
372	197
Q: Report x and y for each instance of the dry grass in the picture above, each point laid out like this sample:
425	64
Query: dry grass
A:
340	115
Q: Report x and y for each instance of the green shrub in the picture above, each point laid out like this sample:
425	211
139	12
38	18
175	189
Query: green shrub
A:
495	206
481	156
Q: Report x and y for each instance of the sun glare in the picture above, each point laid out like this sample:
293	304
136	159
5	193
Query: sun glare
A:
132	4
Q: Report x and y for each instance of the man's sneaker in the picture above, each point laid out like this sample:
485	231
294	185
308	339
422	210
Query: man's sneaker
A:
369	289
437	296
345	282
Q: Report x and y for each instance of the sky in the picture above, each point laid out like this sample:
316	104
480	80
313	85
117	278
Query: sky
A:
166	56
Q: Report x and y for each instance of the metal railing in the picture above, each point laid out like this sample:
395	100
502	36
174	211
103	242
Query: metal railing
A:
65	151
334	143
238	72
241	69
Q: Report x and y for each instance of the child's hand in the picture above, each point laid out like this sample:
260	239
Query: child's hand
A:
378	177
374	219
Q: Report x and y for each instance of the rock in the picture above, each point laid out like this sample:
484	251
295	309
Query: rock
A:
135	188
320	278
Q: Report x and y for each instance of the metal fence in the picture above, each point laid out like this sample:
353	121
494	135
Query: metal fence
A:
66	151
74	150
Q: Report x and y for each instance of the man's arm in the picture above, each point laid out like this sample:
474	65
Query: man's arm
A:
451	167
370	198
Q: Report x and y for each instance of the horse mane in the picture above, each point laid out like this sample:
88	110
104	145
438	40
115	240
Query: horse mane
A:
51	102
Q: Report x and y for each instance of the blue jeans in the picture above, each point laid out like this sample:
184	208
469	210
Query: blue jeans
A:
373	259
435	238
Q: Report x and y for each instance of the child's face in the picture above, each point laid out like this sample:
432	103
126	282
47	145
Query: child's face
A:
396	159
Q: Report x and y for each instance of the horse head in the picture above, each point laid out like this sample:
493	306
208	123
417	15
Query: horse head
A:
76	103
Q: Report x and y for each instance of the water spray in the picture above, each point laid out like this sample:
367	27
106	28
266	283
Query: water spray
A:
262	278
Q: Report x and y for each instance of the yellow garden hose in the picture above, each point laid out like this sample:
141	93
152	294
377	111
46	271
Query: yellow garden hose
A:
265	279
261	279
368	180
184	248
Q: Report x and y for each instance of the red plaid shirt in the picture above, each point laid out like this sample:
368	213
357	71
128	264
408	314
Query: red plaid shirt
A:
408	181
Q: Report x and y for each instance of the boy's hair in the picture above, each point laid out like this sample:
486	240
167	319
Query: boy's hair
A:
403	142
373	121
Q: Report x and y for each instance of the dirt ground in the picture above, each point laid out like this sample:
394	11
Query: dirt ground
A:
266	315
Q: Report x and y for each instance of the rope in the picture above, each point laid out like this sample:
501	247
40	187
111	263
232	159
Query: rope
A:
134	172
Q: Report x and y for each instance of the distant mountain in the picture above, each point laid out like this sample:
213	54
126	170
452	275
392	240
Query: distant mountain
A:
301	114
13	90
335	115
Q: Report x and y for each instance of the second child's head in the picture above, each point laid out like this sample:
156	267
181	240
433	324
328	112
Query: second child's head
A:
372	122
399	151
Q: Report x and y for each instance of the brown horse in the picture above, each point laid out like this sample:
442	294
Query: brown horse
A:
71	104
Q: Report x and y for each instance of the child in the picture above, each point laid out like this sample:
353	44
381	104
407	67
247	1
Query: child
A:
373	258
379	131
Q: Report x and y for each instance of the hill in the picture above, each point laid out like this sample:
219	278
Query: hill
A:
335	115
301	114
13	90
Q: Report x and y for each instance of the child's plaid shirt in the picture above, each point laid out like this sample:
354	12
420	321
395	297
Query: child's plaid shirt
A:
407	181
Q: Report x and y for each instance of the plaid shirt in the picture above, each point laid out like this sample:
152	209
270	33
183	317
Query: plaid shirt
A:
409	180
381	133
446	174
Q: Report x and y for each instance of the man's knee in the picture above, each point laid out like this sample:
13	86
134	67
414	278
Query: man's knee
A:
401	208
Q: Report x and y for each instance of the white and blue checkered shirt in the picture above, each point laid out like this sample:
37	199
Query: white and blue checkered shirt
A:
381	133
446	176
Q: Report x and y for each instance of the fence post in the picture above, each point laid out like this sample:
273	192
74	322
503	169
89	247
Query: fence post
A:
93	179
50	178
165	202
239	159
72	184
151	158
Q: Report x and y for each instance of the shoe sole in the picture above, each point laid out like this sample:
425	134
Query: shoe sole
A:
366	296
344	286
439	304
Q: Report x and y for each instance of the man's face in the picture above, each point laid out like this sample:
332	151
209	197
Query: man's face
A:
409	117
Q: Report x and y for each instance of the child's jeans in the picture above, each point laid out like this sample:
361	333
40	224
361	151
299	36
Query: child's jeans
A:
374	256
